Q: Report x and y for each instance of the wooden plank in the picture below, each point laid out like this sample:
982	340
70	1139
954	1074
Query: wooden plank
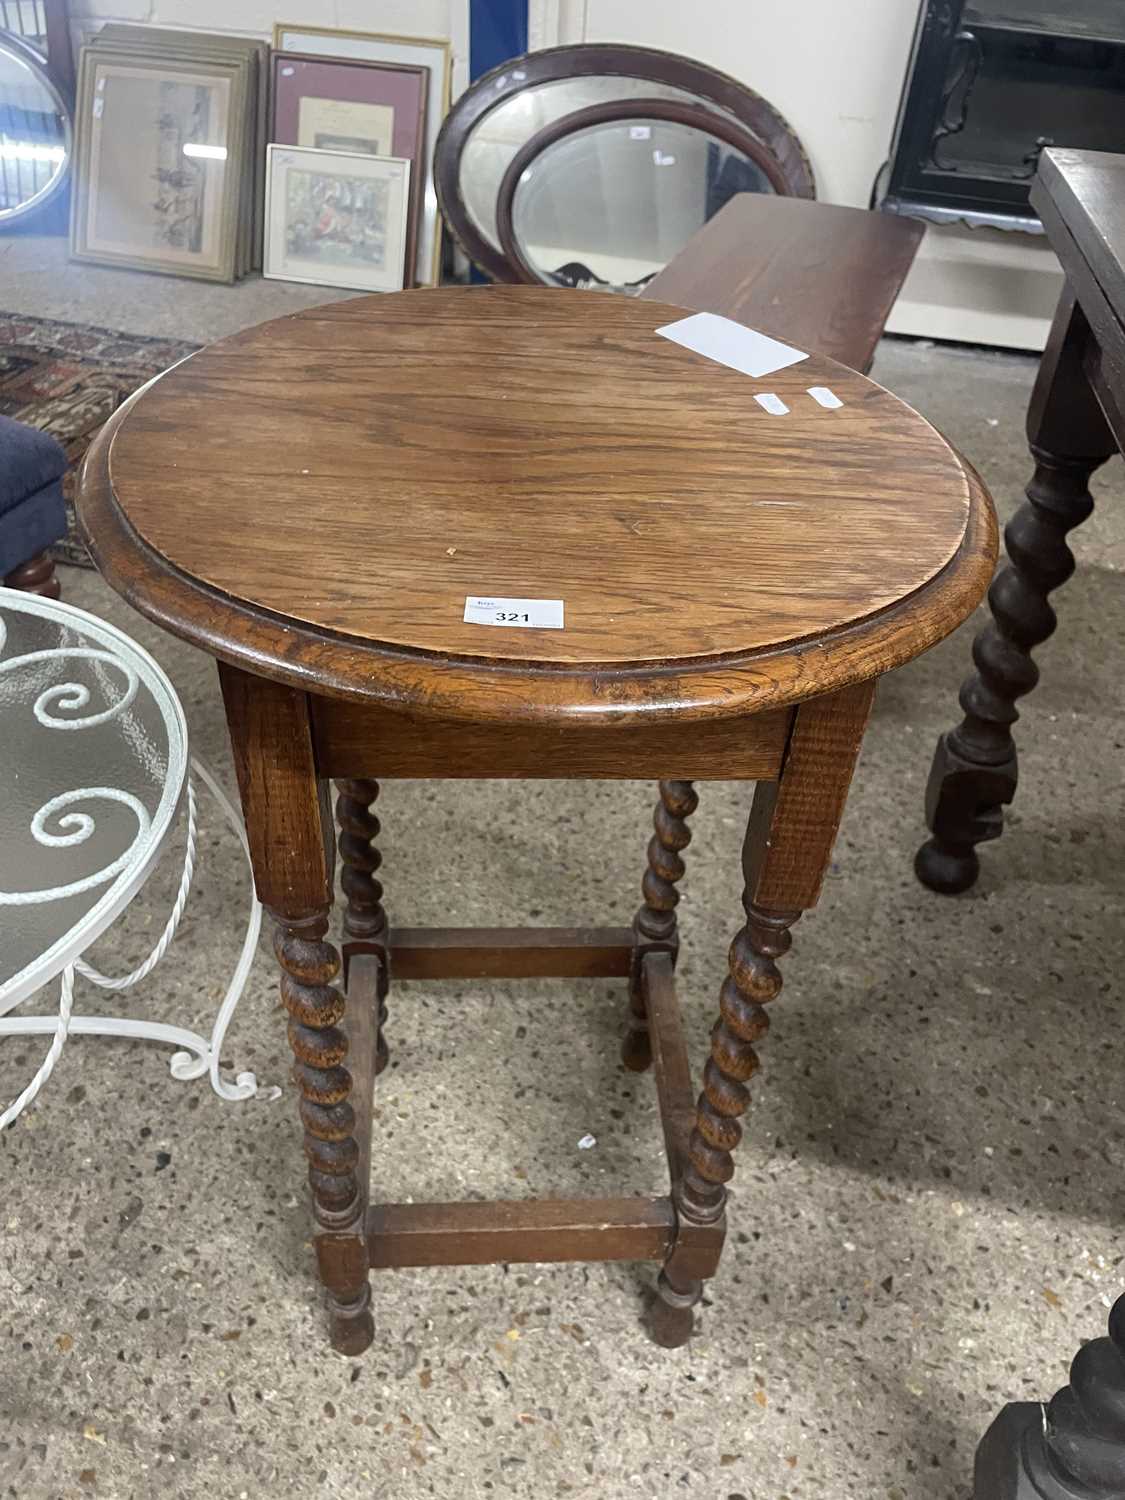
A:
354	739
819	276
511	952
671	1069
550	1229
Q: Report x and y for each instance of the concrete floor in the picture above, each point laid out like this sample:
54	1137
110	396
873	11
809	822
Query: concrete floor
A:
927	1208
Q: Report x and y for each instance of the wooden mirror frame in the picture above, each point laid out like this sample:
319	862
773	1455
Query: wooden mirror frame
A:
598	60
675	111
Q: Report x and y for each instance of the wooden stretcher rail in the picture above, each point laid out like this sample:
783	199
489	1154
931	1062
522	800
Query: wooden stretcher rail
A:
510	952
547	1229
669	1058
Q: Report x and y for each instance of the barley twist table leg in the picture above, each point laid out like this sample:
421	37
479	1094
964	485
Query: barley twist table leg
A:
655	922
364	916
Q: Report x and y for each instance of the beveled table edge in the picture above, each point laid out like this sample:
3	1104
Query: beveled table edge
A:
316	660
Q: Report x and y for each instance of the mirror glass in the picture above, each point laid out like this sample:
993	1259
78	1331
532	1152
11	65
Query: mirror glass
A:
503	130
34	132
614	203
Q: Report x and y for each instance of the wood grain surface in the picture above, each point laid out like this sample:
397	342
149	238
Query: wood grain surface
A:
817	275
315	498
390	458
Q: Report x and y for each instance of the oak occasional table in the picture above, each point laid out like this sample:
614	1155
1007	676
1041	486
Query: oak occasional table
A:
1075	1446
314	500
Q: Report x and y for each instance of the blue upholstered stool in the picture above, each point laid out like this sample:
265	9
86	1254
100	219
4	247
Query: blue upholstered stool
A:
32	513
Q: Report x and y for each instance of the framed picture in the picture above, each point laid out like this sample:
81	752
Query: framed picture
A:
336	218
159	164
156	43
424	52
375	108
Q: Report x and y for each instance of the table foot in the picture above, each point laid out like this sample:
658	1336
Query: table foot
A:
949	870
671	1316
352	1327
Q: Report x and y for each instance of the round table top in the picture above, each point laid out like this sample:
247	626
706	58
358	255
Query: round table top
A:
318	497
95	764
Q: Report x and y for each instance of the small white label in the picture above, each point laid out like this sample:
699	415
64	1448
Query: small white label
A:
824	397
773	404
522	614
99	106
731	344
640	132
663	158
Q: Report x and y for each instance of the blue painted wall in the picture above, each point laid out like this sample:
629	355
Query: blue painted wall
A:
497	31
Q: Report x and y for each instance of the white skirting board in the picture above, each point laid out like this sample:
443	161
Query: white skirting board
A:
980	286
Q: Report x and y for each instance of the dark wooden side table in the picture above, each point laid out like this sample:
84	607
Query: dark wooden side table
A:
312	501
1073	1448
1074	423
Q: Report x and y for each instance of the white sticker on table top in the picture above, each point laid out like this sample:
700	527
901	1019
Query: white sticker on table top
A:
520	614
824	397
663	158
640	132
773	404
731	344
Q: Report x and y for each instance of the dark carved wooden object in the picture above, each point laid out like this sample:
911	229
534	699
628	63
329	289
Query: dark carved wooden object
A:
974	771
1072	1449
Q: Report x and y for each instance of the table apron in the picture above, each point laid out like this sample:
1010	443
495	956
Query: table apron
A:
355	739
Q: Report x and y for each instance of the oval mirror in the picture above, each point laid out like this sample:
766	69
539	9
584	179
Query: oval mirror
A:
35	134
607	196
502	111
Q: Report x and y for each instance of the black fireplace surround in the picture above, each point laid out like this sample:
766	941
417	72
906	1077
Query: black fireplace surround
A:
989	84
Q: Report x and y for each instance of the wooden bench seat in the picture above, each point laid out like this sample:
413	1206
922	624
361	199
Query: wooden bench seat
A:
821	277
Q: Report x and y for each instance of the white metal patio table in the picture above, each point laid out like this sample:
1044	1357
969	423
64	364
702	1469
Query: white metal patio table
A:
95	773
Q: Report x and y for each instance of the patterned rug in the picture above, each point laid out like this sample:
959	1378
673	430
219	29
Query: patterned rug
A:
67	378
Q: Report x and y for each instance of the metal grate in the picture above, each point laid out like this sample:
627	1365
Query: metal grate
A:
26	19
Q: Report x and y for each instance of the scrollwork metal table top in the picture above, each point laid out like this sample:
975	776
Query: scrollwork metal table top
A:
93	767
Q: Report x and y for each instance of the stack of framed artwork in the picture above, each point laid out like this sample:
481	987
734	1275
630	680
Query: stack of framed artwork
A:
170	157
206	156
350	195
